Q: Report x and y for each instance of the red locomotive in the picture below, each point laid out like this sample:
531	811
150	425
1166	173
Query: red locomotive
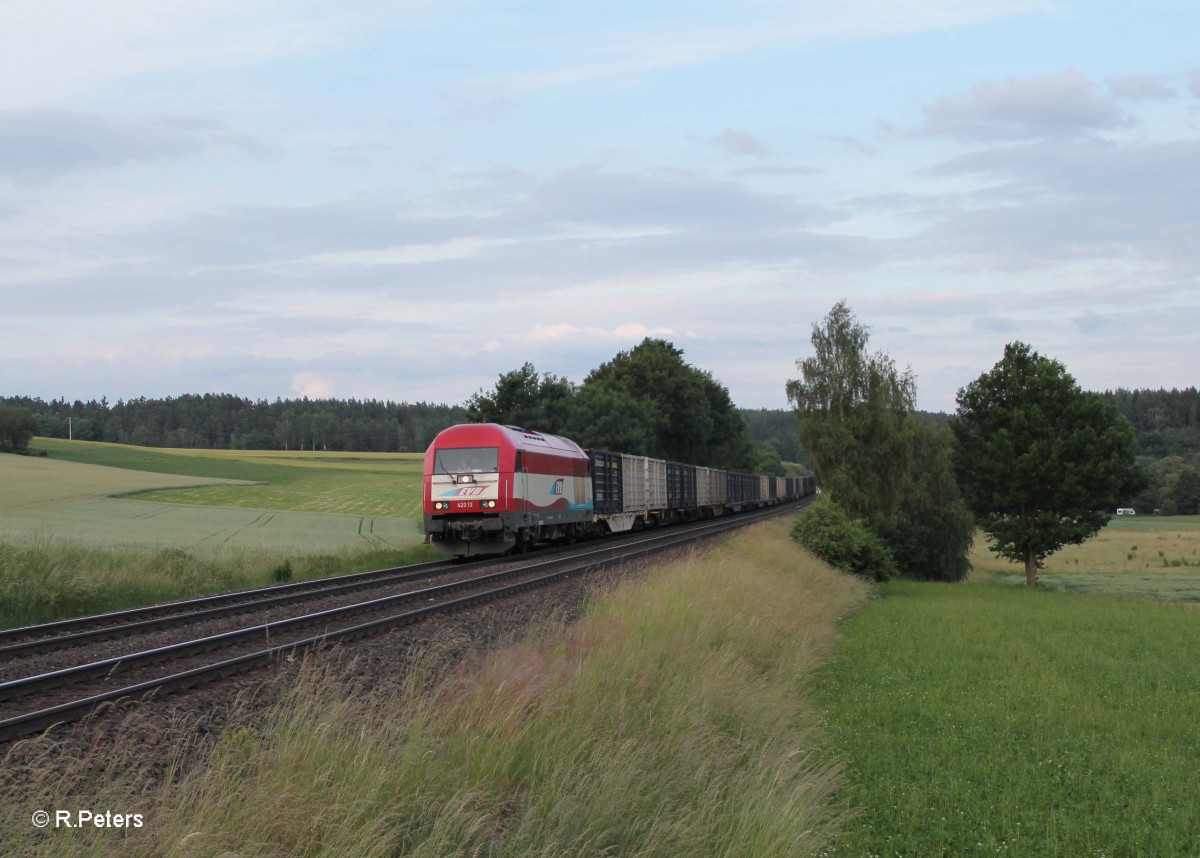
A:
490	489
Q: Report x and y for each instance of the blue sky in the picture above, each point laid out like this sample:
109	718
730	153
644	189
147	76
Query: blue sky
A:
404	200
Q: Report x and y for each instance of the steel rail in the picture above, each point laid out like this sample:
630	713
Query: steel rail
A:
115	624
24	724
21	725
120	619
195	610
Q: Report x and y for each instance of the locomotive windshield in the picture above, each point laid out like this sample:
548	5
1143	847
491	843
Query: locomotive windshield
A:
466	460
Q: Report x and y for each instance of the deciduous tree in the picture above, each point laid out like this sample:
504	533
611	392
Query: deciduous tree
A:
522	398
690	417
1041	463
17	426
931	532
855	413
880	465
1185	493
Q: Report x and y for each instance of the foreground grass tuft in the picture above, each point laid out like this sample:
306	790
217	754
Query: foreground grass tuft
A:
42	580
983	719
672	720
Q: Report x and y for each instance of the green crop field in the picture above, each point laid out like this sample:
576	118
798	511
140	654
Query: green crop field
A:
110	496
360	484
93	527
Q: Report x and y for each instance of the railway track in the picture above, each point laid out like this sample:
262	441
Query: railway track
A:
45	637
138	663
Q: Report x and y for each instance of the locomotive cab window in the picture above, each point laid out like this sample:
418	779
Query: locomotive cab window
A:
466	460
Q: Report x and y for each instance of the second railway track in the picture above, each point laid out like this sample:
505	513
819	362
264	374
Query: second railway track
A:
67	687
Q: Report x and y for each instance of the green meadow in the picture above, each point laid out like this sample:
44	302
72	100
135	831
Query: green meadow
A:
364	484
93	527
984	719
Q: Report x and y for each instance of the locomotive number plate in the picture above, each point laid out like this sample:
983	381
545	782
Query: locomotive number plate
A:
463	504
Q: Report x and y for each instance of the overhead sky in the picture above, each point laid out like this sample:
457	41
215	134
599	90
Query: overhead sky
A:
402	200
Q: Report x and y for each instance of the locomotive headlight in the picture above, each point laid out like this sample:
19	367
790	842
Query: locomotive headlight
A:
488	504
441	505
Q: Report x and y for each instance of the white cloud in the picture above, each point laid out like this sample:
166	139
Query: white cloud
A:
629	55
1090	322
313	386
638	331
41	145
560	330
1139	87
998	324
1057	105
51	50
739	142
626	332
410	254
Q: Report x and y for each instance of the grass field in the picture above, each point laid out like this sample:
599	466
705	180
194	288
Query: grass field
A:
43	580
93	527
386	485
105	505
1156	557
982	719
679	718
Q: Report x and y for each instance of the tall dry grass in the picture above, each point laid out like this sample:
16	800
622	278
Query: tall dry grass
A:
673	719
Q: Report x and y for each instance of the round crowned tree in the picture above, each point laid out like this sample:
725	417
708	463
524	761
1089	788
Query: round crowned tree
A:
1041	463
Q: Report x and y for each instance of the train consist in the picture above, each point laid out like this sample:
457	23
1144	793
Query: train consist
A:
491	489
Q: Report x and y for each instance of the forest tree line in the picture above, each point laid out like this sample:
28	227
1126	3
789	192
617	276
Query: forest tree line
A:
223	421
1166	422
1167	426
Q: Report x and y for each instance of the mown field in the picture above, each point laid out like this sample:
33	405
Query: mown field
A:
93	527
1156	557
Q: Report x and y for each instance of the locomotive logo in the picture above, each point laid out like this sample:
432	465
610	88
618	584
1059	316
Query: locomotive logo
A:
464	492
557	488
